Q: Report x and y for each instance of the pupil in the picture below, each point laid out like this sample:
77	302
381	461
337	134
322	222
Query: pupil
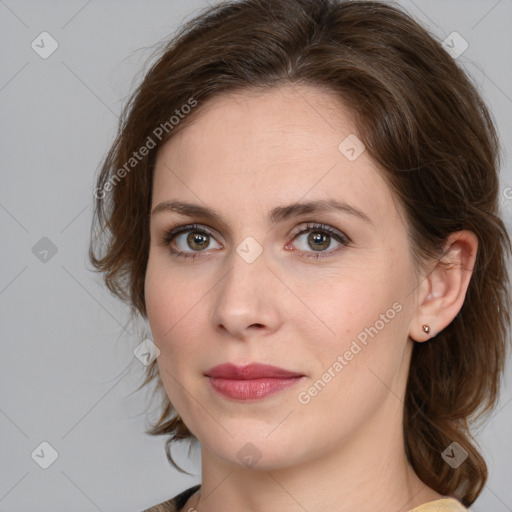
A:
317	239
196	239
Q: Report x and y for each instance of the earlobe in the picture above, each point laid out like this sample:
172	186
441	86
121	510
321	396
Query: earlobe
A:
444	288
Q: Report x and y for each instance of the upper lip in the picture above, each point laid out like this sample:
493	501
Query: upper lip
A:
250	371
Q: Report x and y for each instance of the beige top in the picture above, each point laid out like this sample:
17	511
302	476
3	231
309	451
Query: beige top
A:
176	504
444	505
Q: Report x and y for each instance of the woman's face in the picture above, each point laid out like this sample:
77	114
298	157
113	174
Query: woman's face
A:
333	303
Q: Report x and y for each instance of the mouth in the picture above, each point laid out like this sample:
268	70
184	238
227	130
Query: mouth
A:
251	382
250	371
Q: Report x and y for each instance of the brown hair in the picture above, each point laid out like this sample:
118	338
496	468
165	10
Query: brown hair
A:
423	122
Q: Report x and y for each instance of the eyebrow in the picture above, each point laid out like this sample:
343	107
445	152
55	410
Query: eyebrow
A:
277	214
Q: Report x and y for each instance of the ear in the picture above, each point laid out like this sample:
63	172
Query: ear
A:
442	292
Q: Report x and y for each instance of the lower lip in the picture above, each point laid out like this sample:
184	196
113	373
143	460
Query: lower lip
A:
251	389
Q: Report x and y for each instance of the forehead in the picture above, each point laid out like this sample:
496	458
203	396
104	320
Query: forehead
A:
260	148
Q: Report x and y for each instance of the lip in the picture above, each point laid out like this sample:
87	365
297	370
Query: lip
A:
251	382
250	371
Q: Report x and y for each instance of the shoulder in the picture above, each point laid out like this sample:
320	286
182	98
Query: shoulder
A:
174	504
442	505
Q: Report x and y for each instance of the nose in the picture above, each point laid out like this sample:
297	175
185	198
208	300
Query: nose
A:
247	298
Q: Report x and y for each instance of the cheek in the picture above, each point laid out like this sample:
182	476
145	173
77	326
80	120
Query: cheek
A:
166	301
360	314
354	368
169	308
174	300
351	300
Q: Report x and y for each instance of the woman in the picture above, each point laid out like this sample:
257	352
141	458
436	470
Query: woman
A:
303	203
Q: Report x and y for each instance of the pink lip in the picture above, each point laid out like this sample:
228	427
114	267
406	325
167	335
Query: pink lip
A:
250	371
250	382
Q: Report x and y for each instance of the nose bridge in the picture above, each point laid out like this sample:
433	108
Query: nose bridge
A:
246	296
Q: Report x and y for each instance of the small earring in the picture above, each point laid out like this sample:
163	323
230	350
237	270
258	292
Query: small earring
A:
426	328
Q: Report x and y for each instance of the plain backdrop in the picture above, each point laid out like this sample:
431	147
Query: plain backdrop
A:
68	375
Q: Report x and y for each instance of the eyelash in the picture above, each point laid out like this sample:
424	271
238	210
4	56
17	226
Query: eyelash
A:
171	233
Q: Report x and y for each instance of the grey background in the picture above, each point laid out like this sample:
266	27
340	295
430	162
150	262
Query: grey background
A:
67	371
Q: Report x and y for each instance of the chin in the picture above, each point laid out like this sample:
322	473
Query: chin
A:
258	451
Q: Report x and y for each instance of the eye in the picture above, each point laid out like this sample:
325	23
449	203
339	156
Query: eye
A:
190	240
319	238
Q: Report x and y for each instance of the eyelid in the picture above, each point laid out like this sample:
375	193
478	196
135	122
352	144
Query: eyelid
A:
339	236
311	225
170	233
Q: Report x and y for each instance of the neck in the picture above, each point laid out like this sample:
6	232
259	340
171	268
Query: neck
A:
369	473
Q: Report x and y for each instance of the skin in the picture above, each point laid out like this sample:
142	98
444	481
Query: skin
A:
243	155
